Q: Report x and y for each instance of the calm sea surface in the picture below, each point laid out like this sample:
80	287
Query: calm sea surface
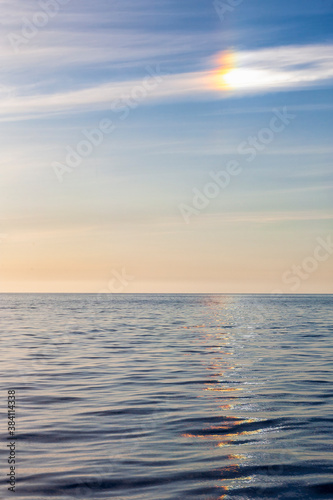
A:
168	397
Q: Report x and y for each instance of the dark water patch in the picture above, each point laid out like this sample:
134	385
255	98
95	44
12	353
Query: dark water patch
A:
291	491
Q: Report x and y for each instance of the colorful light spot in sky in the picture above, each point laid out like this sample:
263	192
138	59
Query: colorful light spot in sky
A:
226	66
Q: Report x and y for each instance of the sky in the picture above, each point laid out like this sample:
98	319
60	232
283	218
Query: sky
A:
166	146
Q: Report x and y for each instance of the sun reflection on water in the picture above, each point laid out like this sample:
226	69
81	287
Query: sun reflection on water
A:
220	340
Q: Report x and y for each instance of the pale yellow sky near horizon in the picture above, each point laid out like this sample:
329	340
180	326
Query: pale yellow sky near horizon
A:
208	255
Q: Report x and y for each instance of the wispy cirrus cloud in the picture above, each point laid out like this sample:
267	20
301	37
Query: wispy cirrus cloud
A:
278	68
258	71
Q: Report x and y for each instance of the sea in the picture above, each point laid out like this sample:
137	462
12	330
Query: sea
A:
166	397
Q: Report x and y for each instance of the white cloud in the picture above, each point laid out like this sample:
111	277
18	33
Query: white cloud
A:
282	67
260	71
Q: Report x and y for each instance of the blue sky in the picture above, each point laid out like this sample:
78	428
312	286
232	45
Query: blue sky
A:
73	68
